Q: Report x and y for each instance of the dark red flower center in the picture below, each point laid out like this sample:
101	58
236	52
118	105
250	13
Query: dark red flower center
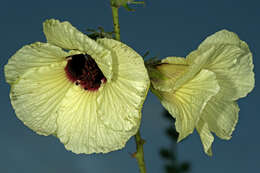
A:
82	70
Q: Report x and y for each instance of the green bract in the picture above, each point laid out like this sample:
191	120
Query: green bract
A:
48	102
201	90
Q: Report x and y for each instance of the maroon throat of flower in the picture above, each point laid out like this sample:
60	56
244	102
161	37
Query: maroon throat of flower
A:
82	70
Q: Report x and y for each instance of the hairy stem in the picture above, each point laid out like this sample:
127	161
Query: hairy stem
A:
139	155
116	22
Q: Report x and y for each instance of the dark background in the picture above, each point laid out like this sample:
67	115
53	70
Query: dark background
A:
166	28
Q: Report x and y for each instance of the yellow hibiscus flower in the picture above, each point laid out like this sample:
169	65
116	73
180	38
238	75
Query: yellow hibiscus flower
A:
87	93
201	90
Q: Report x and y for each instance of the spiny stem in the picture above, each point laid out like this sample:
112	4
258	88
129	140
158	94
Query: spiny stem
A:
116	22
139	155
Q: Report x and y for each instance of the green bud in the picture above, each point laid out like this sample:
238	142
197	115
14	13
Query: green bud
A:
118	3
125	4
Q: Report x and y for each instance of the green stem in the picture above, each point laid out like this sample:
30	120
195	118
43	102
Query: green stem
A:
116	22
139	155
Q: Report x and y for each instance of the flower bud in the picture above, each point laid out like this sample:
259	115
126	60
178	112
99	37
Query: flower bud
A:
118	3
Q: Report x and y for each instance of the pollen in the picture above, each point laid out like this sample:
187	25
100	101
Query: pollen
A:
82	70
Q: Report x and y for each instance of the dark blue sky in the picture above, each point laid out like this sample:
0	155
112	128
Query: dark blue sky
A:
166	28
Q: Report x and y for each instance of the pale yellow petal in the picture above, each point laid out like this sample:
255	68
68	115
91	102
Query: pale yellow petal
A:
206	137
221	116
119	106
221	37
192	70
64	35
172	72
245	77
231	60
121	100
80	128
33	55
187	103
164	75
36	96
127	63
175	60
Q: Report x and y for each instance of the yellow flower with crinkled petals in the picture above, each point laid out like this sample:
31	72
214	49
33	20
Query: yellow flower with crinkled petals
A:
87	93
200	91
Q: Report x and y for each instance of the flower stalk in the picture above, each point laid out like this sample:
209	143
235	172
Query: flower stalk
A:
139	154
